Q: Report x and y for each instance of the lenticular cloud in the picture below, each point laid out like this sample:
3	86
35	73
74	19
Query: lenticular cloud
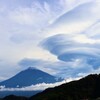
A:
76	44
67	49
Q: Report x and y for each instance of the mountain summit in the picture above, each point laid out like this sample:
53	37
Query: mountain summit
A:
30	76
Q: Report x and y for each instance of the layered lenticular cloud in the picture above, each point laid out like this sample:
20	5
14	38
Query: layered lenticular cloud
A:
68	49
78	37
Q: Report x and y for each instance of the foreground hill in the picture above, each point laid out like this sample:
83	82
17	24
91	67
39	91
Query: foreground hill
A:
87	88
30	76
12	97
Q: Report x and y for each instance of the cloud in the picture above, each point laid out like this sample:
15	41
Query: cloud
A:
50	67
94	30
77	38
85	15
37	87
79	57
38	13
31	62
59	68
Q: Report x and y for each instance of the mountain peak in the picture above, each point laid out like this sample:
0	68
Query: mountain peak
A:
30	76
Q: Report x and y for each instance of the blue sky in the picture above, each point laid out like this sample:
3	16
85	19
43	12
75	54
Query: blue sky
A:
60	37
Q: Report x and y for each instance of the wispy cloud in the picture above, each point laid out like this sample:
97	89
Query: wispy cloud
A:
77	19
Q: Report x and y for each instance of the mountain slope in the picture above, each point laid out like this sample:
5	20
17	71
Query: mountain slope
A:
87	88
29	77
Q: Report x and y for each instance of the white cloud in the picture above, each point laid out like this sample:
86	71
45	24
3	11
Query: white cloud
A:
79	55
85	15
80	45
37	87
22	16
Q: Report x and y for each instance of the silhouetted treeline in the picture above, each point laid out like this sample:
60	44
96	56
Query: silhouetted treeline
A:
12	97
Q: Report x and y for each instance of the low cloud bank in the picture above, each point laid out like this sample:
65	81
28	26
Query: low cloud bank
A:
37	87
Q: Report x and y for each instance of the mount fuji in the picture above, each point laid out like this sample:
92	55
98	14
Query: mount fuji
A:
30	76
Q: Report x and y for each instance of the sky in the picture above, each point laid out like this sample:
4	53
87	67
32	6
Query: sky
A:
60	37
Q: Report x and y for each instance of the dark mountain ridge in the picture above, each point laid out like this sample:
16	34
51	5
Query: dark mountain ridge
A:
87	88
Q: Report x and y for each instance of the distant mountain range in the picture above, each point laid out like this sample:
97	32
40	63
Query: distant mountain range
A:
30	76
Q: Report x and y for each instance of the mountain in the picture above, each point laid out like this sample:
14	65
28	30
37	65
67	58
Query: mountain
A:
30	76
87	88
